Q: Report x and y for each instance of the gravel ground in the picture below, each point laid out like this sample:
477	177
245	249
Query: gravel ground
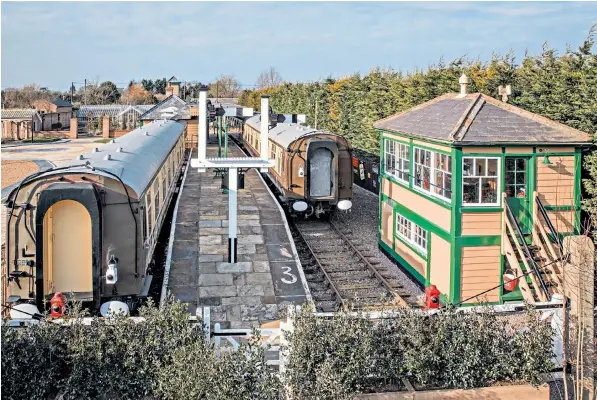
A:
363	221
13	171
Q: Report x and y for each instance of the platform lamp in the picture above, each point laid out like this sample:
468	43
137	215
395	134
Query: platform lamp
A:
546	160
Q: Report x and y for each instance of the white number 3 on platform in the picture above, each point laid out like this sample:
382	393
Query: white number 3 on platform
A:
290	274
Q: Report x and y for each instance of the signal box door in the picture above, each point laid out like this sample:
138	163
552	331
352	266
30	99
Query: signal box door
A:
517	190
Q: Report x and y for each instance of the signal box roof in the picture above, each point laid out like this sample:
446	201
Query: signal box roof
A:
479	119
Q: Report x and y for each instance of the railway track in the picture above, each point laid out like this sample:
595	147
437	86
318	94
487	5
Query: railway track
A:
342	274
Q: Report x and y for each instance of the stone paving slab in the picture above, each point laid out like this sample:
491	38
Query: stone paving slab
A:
247	293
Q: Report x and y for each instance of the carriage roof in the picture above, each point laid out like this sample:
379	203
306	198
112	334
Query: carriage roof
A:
284	134
140	158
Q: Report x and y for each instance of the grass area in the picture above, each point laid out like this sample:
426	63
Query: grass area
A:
41	139
106	140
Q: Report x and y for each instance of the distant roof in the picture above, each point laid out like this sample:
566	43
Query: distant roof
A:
111	110
182	108
479	119
224	101
19	113
58	102
140	158
173	80
283	134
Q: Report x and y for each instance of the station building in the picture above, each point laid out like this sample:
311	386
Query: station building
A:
473	189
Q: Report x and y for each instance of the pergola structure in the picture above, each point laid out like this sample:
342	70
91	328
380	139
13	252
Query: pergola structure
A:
232	164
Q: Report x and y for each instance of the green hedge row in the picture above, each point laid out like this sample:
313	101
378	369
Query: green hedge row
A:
562	87
166	357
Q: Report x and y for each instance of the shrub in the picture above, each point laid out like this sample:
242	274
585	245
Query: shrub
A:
166	357
33	361
107	359
196	372
447	350
123	356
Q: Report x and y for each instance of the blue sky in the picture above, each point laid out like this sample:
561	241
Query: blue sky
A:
53	44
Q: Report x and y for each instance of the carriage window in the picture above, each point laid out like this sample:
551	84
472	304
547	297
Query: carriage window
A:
397	156
480	181
411	233
155	191
433	173
164	187
272	152
167	176
144	221
279	158
148	213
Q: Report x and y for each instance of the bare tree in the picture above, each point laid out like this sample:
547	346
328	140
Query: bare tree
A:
27	96
269	79
225	86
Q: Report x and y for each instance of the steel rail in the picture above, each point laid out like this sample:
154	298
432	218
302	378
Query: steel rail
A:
384	282
325	273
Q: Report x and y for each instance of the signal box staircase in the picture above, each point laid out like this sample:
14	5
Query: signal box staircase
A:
538	258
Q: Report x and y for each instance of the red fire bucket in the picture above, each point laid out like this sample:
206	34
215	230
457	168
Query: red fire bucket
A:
510	280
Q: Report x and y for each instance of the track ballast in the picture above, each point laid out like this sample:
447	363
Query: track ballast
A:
340	272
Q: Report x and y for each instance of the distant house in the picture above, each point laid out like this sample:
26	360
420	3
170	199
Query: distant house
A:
18	124
173	107
122	116
55	114
173	87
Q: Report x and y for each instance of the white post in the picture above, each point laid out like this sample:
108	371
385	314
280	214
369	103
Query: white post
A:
264	152
557	326
232	192
286	326
202	126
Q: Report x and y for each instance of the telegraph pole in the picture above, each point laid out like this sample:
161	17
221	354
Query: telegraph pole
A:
72	91
85	91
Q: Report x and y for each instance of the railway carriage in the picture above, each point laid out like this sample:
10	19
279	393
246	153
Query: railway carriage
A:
90	228
312	168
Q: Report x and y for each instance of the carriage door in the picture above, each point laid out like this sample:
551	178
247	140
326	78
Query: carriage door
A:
321	172
517	190
67	243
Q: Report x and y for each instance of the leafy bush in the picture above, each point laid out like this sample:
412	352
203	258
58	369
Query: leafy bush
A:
33	361
166	357
447	350
196	372
107	359
124	356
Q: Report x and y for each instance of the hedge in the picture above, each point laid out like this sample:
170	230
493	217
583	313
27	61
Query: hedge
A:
166	357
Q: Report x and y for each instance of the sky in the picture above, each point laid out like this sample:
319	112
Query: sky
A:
56	43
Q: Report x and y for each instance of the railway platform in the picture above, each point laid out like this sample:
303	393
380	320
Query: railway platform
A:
268	275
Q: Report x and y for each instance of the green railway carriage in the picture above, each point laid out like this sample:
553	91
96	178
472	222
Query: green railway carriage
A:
473	188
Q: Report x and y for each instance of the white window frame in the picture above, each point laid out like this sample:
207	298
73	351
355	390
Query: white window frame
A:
389	153
413	231
399	162
432	170
498	201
